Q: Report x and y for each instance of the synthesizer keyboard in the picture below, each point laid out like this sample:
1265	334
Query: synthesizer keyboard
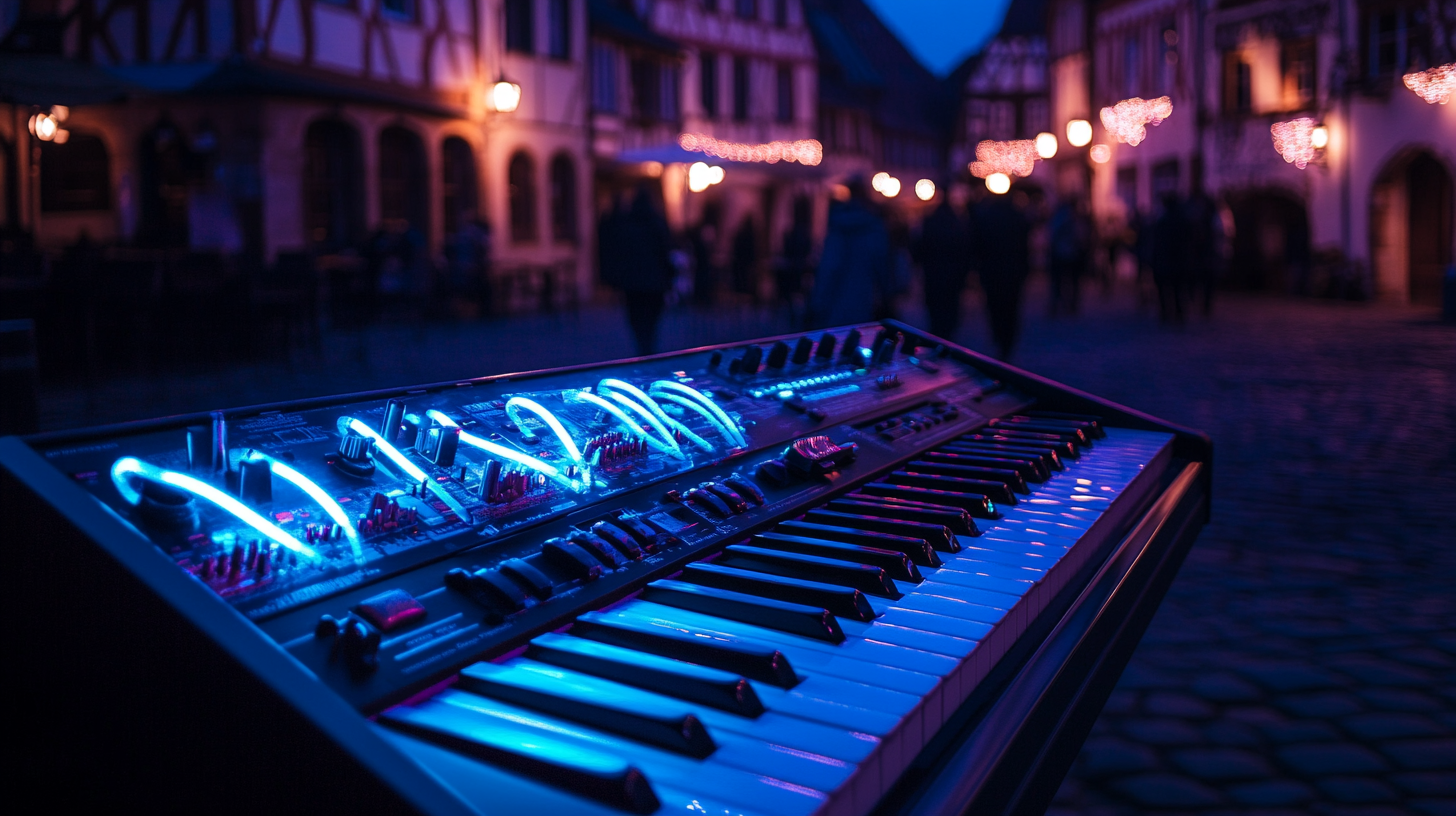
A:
855	571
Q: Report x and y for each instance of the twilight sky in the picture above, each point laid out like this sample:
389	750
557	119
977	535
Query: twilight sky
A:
941	32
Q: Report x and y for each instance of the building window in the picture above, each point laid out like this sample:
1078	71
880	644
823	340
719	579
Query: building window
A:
668	94
1238	89
75	176
708	83
604	77
1001	123
1396	38
781	13
740	89
1036	117
785	83
1298	66
746	9
978	113
558	29
563	198
458	188
333	200
520	26
1131	67
402	180
646	89
522	178
400	9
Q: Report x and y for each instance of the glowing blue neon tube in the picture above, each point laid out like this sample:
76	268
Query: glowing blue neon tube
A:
666	389
347	423
667	445
544	468
515	405
647	417
307	485
126	467
613	385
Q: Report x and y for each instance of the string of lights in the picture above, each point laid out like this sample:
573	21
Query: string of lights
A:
807	152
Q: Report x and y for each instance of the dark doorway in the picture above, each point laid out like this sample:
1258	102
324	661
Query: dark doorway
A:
1270	243
1428	186
333	200
402	179
168	168
458	184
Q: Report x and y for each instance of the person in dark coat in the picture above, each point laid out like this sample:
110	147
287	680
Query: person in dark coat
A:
1001	235
1203	251
854	266
644	247
1068	252
1170	235
944	254
745	259
793	266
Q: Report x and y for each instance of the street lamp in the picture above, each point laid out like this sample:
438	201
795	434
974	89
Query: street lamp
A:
505	96
1079	132
998	183
925	189
1046	145
1319	138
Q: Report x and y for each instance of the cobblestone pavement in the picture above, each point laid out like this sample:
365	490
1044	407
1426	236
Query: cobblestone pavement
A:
1305	659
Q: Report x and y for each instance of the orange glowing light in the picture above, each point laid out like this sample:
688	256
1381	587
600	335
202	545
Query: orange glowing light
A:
807	152
1101	153
1016	157
1128	119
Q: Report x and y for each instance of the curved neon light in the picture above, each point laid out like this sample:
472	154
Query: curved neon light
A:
128	466
635	428
647	417
307	485
545	469
665	389
515	405
347	423
638	395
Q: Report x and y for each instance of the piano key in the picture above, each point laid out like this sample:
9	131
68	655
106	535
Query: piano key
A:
596	774
997	491
1067	449
523	573
746	488
571	559
844	602
918	549
627	544
735	502
977	504
457	711
795	618
954	519
1046	453
1084	428
603	551
939	536
710	503
868	579
1032	470
646	536
1065	432
671	726
756	660
897	565
699	684
762	753
1007	476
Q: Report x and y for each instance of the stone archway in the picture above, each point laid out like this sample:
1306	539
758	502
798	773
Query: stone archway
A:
1411	216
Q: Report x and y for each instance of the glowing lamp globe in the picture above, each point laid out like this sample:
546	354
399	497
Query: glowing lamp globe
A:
505	96
1046	145
925	189
1079	132
998	183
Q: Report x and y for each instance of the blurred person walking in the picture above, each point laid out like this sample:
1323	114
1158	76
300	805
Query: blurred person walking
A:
644	250
1169	259
745	259
1001	236
854	275
1068	252
791	268
944	254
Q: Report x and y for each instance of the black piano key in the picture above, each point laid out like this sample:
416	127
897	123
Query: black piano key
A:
1066	446
996	491
979	505
1030	470
868	579
730	497
1007	476
918	549
843	602
895	564
954	518
710	687
673	727
762	663
619	538
1082	430
1045	452
598	547
532	753
794	618
939	536
1094	422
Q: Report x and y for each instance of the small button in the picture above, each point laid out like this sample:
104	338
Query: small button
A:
529	577
745	488
500	590
730	497
571	559
601	550
619	538
391	610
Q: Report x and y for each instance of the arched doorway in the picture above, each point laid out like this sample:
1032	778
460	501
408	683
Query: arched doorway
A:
333	200
403	197
1270	243
458	184
1411	214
